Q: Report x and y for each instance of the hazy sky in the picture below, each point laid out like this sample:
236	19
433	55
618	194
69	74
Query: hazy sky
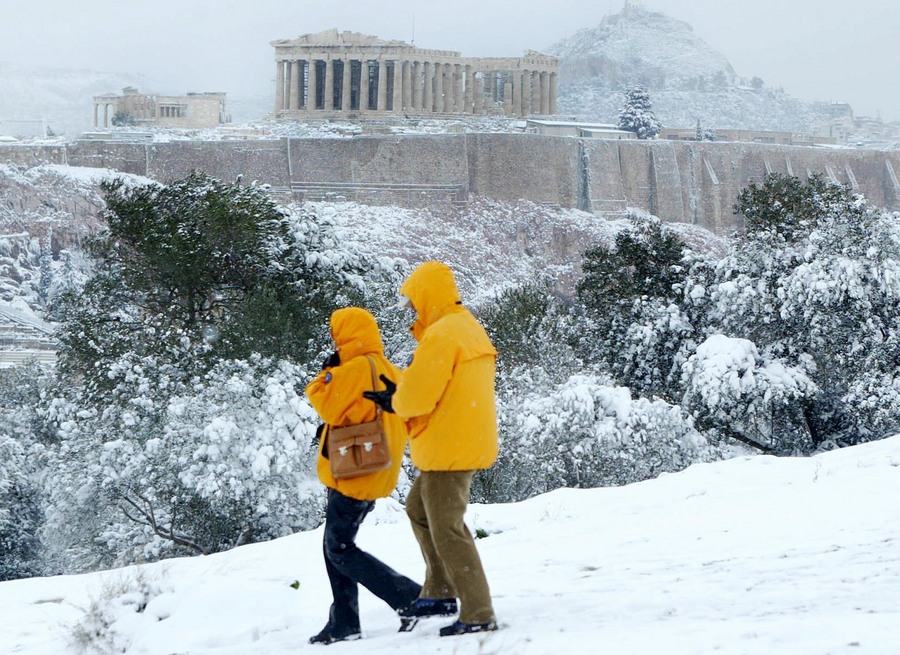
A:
832	50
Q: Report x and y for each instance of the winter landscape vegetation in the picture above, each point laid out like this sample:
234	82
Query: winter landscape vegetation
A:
700	433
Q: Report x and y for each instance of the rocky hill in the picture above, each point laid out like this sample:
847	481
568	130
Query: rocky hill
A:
687	80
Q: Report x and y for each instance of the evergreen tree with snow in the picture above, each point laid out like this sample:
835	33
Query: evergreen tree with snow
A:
179	413
637	116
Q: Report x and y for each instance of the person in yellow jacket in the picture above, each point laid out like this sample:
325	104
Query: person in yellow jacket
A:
446	396
336	394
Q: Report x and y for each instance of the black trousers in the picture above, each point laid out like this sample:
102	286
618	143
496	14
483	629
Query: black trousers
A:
348	566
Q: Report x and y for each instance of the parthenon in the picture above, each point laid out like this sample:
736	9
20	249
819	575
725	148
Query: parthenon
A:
348	74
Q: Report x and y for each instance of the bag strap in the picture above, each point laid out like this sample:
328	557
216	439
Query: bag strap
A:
374	386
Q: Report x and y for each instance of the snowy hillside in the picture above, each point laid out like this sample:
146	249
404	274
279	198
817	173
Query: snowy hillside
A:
491	245
751	556
637	45
686	78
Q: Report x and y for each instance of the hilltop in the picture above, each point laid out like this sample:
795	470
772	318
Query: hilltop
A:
686	78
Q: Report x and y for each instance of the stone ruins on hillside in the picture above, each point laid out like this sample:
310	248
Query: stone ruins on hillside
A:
348	75
192	110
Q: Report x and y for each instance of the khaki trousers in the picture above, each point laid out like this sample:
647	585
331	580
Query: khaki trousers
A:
435	506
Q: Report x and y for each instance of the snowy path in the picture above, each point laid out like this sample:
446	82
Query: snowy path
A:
757	556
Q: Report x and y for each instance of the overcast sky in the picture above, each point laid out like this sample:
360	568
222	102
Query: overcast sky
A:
831	50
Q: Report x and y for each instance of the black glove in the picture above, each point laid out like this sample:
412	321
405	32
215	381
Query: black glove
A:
383	398
334	359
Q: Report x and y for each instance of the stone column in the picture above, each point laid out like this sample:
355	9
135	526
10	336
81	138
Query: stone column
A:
407	85
553	93
508	95
450	85
364	85
459	89
382	85
345	84
294	88
329	84
429	87
479	96
397	91
439	88
535	92
417	86
468	96
279	86
516	77
313	85
545	93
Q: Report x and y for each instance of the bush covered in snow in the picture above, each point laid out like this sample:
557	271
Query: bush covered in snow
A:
587	432
811	291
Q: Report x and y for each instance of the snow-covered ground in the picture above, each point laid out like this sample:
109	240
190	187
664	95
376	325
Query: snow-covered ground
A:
749	556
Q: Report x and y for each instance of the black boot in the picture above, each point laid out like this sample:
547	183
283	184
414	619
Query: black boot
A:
329	636
460	628
423	608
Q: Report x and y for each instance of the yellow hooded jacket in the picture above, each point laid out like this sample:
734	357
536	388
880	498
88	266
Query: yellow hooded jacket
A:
447	391
336	394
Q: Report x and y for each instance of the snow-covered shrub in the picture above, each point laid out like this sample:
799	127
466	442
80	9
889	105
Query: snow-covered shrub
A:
108	620
730	388
586	432
635	324
815	283
216	463
20	513
22	457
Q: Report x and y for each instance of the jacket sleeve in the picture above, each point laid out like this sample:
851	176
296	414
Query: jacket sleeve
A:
336	393
423	383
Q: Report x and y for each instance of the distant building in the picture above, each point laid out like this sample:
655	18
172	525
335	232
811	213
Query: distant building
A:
348	75
151	110
575	128
750	136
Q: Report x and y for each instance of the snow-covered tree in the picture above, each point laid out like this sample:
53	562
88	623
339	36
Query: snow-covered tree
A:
180	415
634	324
222	461
730	388
813	291
22	458
637	116
815	284
587	432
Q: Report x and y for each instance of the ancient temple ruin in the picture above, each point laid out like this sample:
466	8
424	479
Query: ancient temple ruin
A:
350	75
194	110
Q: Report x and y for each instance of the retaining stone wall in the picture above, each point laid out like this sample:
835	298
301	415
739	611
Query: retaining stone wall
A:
694	182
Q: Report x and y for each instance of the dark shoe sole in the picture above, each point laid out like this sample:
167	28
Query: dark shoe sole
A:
325	641
468	628
442	608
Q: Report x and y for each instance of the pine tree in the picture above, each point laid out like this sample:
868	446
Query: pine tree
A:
637	115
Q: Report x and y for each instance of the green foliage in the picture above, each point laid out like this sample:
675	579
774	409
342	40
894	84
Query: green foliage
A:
633	326
123	119
637	116
22	446
526	327
194	271
644	263
783	207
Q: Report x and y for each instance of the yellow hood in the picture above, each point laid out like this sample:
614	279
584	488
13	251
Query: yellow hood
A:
355	333
432	291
